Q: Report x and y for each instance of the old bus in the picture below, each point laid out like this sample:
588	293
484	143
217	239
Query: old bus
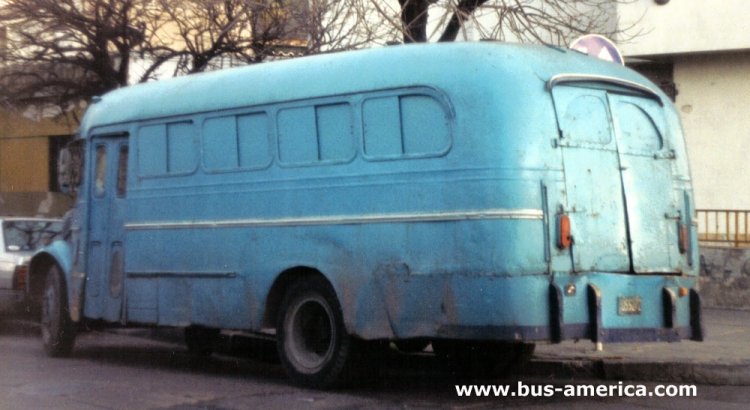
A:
476	196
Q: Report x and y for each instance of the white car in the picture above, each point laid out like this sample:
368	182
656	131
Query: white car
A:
19	238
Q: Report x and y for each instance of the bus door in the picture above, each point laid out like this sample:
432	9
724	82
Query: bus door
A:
595	202
653	209
105	258
618	178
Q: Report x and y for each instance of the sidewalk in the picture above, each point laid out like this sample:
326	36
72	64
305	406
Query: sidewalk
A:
723	358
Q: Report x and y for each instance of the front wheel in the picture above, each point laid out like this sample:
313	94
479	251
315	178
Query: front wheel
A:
313	345
58	330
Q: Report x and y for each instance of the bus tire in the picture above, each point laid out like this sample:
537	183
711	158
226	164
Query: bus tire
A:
201	341
313	344
57	329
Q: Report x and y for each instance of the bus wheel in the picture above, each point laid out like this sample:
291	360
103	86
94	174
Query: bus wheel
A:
201	341
313	345
58	331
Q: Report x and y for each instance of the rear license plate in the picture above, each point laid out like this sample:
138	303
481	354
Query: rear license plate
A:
629	305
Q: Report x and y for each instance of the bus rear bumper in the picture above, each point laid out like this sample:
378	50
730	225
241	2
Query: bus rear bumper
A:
602	307
675	318
570	332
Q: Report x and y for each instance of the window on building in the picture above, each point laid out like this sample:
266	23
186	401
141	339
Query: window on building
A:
661	74
55	146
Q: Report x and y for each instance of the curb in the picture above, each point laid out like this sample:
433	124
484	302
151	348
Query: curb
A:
700	373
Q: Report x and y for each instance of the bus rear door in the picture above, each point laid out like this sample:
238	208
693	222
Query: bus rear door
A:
620	196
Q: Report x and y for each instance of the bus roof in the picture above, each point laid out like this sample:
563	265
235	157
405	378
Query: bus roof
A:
443	66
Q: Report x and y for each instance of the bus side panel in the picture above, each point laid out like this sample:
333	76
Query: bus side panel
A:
220	276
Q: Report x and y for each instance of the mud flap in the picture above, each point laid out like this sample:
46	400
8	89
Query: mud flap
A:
696	318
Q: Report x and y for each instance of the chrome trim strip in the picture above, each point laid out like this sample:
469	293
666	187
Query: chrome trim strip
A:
196	275
574	78
345	219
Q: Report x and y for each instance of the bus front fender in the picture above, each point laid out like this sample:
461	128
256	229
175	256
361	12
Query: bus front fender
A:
59	253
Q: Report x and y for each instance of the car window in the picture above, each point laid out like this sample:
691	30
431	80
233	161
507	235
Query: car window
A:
29	235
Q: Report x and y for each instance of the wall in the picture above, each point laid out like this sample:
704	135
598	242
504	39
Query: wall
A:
24	164
713	93
24	148
683	26
725	278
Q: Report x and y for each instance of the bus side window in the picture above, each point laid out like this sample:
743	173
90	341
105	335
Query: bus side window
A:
236	142
167	149
405	126
315	134
254	150
151	150
182	152
100	175
122	171
425	126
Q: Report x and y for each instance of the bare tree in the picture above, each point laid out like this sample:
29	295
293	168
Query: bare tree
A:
545	21
199	34
335	25
63	52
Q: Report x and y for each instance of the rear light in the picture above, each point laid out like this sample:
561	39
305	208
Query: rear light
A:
684	237
564	240
20	276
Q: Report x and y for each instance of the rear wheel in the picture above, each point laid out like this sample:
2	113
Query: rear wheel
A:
313	345
58	330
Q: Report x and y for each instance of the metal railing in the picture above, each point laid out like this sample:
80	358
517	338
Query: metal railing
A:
724	227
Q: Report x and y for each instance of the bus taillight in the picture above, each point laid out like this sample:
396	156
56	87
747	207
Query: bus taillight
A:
684	237
564	239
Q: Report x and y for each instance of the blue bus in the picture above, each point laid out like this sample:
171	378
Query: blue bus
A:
476	196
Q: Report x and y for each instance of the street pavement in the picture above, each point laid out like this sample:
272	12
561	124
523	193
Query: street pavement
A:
723	358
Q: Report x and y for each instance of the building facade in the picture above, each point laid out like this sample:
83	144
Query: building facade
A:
699	52
28	150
